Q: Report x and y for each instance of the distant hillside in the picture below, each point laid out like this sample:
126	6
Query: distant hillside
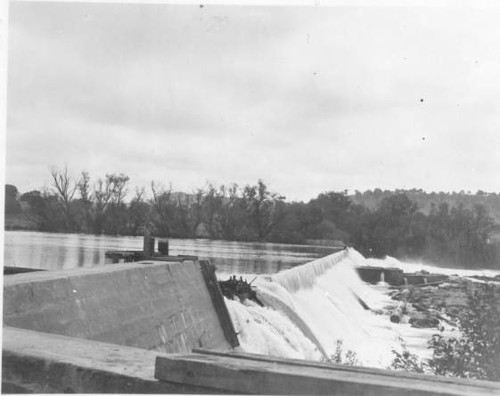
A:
425	200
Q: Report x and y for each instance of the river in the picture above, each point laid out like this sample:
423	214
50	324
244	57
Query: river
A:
53	251
307	310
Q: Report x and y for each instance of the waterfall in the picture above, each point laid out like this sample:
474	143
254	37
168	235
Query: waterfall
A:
305	276
309	308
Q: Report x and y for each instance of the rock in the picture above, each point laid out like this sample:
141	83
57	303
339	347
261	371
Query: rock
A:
424	323
419	307
397	313
395	318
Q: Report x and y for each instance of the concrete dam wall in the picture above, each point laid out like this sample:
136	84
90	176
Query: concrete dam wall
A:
161	327
164	307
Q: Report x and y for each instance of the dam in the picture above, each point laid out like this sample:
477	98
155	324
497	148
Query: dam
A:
164	327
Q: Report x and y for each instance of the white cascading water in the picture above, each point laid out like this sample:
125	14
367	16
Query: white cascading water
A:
307	309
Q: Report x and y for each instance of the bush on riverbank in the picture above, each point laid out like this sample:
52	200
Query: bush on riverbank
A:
404	360
341	356
475	353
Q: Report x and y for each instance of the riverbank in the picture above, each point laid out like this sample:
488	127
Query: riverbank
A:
19	222
254	214
470	308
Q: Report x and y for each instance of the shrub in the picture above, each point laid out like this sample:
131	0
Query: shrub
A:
476	353
407	361
348	358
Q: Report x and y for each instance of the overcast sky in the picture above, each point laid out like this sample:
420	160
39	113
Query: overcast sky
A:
309	99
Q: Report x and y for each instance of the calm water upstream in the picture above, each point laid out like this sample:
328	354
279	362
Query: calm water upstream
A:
64	251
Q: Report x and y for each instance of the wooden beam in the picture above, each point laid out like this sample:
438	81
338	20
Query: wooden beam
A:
246	374
35	362
163	247
394	374
208	271
148	245
8	270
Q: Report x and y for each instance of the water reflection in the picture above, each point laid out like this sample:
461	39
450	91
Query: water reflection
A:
64	251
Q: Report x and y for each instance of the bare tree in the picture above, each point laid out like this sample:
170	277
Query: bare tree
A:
118	184
262	207
64	186
139	194
102	196
84	186
163	208
196	209
138	212
85	207
110	191
213	206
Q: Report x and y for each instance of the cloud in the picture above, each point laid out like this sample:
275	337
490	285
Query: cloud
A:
308	98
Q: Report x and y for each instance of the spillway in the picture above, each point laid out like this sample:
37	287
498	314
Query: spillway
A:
321	309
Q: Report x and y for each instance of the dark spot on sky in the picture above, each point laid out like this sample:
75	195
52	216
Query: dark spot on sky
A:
423	137
421	100
201	6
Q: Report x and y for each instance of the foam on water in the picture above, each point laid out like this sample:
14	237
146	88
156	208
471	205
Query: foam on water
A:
309	307
269	332
419	266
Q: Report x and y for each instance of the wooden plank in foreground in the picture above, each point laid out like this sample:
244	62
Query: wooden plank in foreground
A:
359	369
35	362
245	374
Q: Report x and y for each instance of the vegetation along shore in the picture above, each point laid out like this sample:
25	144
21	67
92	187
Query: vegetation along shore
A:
453	229
458	229
471	309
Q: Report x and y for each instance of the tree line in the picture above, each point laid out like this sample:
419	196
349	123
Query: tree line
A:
451	234
425	200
